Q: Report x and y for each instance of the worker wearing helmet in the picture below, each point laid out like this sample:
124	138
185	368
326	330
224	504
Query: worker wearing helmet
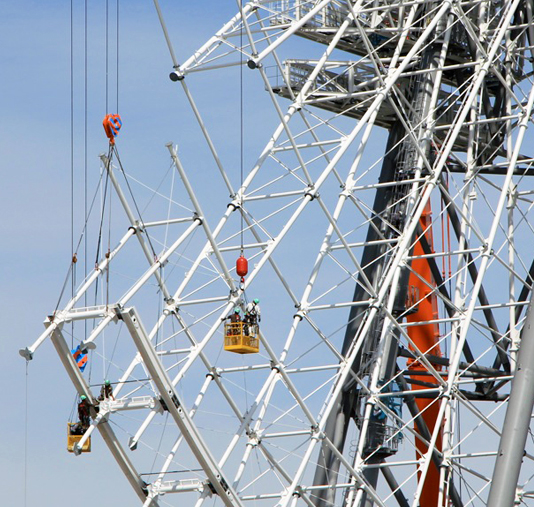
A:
83	412
106	391
235	316
235	319
253	311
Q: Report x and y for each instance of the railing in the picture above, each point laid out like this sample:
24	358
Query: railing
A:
241	337
287	11
333	14
349	78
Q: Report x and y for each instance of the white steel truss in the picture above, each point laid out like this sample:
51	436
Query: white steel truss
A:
402	139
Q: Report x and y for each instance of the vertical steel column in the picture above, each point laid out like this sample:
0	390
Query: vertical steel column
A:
516	423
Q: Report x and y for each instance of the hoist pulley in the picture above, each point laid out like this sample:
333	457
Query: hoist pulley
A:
112	124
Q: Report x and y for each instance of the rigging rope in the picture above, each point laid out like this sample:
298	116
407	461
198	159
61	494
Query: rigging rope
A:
241	121
102	214
82	237
133	199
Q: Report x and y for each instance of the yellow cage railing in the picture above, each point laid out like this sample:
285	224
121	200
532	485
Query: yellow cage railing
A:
241	337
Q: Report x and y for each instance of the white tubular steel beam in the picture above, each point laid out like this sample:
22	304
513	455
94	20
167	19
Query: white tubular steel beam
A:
177	410
104	428
192	413
28	352
254	62
390	80
228	277
218	38
212	373
78	446
179	486
178	75
153	270
171	221
136	403
133	221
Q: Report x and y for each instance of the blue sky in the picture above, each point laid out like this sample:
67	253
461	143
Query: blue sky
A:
35	163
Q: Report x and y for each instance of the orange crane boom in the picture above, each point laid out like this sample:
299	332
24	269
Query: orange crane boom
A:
425	335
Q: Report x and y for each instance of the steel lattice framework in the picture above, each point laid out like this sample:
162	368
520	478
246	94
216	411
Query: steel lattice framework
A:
387	221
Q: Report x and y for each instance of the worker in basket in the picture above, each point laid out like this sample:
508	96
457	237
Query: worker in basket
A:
254	312
83	417
235	319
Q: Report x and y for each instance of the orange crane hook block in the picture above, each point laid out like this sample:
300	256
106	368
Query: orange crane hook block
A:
112	124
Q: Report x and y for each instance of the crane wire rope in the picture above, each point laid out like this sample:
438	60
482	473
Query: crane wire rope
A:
85	156
117	43
106	199
102	213
107	56
242	150
241	140
73	255
241	164
26	436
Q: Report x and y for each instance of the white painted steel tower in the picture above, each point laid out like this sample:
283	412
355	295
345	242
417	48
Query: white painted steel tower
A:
387	221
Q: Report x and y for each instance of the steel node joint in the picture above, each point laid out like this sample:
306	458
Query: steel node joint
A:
445	395
234	204
311	193
253	438
374	304
372	400
214	373
486	251
169	301
118	308
26	353
137	228
276	366
299	315
446	462
176	75
56	318
252	63
171	309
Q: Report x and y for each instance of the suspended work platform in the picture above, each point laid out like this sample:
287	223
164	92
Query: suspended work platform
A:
241	337
73	438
